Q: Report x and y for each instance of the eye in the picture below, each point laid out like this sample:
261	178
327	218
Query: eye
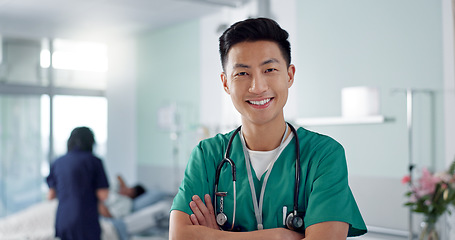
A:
270	70
241	74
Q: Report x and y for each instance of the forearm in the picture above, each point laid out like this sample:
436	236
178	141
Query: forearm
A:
182	228
331	230
201	232
202	225
325	230
189	232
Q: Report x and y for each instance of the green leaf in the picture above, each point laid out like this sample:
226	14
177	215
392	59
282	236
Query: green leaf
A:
452	168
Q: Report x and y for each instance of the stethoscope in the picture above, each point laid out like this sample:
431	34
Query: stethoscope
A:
293	221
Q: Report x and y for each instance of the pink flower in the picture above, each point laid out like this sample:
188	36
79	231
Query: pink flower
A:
445	177
427	183
406	179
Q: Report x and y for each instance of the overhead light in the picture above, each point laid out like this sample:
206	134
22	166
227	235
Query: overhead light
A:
76	55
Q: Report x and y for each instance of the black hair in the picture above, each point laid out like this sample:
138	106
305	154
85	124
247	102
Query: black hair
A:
251	30
82	139
138	190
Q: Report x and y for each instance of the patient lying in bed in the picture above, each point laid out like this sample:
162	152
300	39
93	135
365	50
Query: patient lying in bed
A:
120	199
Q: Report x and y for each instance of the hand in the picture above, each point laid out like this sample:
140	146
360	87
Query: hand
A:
203	214
51	194
121	182
123	189
103	210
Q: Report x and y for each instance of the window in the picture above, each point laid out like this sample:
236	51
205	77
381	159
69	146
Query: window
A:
30	138
75	111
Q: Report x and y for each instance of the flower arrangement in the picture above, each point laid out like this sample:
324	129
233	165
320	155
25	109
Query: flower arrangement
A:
432	194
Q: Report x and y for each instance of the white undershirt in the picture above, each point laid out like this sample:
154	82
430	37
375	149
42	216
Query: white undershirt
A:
261	160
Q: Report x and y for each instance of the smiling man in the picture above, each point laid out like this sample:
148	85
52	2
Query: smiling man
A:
264	180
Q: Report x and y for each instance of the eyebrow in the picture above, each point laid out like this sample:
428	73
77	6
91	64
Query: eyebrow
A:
241	65
272	60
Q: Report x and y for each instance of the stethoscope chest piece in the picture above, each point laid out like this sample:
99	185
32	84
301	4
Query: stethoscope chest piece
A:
294	221
221	219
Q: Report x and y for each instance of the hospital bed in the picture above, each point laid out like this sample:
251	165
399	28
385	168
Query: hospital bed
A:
37	223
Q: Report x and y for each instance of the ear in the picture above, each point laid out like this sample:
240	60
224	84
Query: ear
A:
225	83
291	74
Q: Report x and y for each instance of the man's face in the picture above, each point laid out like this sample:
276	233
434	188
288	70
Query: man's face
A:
257	79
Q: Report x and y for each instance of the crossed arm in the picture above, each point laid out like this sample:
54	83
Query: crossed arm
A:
202	225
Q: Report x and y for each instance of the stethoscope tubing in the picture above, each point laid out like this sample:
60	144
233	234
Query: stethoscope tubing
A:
234	177
217	178
297	170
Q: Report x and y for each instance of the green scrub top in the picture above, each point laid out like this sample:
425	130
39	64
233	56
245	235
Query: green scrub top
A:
324	191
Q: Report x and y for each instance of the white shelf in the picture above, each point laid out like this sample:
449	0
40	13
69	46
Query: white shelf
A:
328	121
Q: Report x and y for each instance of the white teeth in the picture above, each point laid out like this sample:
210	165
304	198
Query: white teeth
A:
262	102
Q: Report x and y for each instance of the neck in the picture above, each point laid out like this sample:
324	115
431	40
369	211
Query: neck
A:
264	137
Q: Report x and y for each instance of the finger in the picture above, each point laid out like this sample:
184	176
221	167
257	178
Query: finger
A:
203	207
204	211
194	220
197	212
208	202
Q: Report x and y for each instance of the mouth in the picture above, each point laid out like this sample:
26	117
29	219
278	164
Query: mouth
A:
261	102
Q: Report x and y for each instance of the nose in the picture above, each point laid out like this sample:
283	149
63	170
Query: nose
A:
258	84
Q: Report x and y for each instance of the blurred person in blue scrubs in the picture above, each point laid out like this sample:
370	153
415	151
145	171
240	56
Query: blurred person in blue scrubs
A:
79	181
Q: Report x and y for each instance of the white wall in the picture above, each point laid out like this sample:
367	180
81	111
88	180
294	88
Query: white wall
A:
212	93
121	94
449	97
449	79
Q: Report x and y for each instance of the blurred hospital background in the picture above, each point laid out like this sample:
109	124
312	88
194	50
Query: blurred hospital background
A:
378	76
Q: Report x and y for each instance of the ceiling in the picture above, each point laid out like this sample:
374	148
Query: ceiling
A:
99	19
